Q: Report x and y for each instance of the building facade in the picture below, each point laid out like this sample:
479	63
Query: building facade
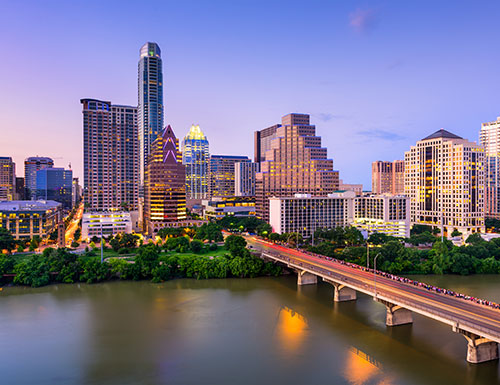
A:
222	175
444	178
387	214
25	219
55	184
388	177
150	101
244	178
105	224
489	137
357	188
165	184
20	189
31	166
110	156
262	142
294	163
217	208
7	179
196	158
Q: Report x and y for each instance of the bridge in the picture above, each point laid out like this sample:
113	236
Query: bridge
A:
478	323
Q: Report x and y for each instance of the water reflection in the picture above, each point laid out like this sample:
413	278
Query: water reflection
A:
291	330
360	369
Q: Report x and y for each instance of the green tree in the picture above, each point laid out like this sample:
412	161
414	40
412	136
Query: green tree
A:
235	244
7	241
94	270
196	246
147	259
33	272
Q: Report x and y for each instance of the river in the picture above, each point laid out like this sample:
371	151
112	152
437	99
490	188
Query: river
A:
232	331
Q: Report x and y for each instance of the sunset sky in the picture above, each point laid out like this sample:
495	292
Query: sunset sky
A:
375	76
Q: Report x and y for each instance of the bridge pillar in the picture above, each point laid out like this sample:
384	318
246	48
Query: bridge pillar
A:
342	293
305	278
397	315
479	349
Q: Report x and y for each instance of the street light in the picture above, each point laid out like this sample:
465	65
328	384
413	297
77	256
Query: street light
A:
375	274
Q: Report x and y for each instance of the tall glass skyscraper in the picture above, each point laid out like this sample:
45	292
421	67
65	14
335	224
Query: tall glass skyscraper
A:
31	166
55	184
150	103
196	158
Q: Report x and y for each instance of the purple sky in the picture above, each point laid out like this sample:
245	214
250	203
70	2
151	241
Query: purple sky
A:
376	75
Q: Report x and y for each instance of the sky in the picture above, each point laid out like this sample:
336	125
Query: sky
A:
375	76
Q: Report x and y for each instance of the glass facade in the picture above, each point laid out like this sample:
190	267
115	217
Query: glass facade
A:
196	158
55	184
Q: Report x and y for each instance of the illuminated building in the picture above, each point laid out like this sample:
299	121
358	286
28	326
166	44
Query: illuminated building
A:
218	208
7	178
25	219
244	178
222	174
388	177
31	166
110	156
165	184
196	158
386	214
294	163
489	137
150	101
444	178
55	184
110	223
262	142
76	192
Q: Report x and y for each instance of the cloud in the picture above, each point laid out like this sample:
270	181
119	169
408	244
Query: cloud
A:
363	20
327	116
378	134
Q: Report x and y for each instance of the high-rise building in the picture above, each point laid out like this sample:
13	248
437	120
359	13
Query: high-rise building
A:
444	178
20	189
357	188
262	142
196	158
294	163
110	156
165	184
222	174
388	177
244	178
489	137
76	192
150	101
7	178
31	166
55	184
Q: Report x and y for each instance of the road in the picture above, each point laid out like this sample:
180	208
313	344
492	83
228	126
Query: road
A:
445	308
70	231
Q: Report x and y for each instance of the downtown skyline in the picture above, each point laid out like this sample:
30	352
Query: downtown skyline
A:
427	74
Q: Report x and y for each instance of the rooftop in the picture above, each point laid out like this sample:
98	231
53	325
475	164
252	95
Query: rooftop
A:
442	134
28	205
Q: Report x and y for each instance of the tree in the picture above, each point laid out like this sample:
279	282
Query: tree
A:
196	246
475	239
274	237
235	244
147	259
7	241
456	233
33	272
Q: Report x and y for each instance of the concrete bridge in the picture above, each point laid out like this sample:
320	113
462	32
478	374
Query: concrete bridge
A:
479	324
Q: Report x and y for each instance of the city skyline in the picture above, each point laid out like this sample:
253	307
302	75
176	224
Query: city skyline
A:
409	88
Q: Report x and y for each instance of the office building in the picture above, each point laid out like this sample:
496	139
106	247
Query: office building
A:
294	163
106	223
304	214
244	178
165	184
357	188
31	166
388	177
20	189
110	156
222	174
262	142
217	208
55	184
25	219
444	178
76	192
150	101
489	137
387	214
196	158
7	178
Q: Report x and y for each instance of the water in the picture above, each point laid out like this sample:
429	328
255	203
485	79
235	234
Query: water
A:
248	331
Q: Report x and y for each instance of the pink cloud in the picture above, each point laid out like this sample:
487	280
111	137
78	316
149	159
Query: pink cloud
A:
363	20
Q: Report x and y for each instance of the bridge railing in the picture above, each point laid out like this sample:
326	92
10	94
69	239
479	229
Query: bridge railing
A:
459	322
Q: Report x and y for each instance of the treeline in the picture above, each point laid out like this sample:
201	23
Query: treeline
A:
477	256
150	263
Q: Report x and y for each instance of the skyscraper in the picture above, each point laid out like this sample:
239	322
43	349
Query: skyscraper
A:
110	156
388	177
196	158
7	178
294	163
55	184
244	178
150	101
165	184
489	137
444	178
31	166
222	183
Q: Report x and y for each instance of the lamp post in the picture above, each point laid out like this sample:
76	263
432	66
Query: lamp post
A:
375	274
102	250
